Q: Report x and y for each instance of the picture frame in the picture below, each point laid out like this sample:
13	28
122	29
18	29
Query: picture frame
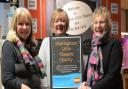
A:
66	61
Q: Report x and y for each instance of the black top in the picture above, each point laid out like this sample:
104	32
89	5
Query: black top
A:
14	72
112	63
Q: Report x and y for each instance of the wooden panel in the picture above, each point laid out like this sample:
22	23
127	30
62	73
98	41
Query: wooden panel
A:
123	21
124	4
125	78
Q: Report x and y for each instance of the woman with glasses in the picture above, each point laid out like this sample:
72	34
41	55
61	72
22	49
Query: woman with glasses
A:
103	69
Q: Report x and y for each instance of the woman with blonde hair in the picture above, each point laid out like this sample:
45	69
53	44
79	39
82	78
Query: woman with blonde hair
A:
21	68
103	69
59	25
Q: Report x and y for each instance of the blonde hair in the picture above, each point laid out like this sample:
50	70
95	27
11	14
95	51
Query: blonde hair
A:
12	35
103	11
59	12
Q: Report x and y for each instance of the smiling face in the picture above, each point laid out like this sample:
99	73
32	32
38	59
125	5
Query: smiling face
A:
23	27
59	22
59	25
101	21
99	25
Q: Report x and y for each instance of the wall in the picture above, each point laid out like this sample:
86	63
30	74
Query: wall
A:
39	14
114	7
124	4
123	21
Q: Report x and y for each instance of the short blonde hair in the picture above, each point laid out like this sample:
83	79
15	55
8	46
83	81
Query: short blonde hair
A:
59	12
12	36
103	11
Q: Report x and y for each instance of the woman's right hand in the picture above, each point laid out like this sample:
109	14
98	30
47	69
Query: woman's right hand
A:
23	86
84	85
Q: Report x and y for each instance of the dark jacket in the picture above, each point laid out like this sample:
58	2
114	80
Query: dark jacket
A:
112	63
14	71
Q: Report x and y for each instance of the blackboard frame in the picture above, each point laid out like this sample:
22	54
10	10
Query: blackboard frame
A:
65	40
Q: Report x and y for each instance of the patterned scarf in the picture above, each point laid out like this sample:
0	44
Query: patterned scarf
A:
95	66
29	60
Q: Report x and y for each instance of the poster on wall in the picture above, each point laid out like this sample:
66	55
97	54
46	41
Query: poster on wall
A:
115	28
32	4
114	8
34	24
80	16
66	66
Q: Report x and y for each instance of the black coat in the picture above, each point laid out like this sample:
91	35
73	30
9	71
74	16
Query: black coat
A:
112	63
14	72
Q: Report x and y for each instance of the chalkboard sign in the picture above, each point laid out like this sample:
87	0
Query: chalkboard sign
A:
66	66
